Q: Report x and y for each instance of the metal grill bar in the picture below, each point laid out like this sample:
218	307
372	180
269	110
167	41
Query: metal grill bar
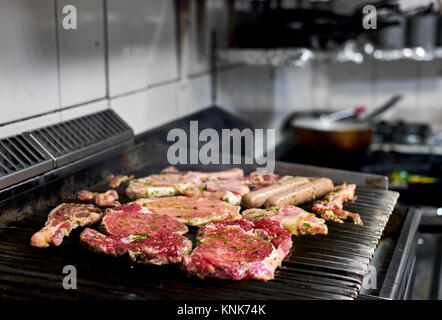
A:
33	153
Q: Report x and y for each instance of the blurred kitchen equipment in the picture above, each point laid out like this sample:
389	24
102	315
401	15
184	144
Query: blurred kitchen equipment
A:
344	114
393	36
423	30
347	135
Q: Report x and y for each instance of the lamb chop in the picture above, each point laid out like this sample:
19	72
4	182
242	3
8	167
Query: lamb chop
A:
294	219
62	220
106	199
331	207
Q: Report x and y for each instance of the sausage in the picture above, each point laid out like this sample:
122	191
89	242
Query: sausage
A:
257	198
310	190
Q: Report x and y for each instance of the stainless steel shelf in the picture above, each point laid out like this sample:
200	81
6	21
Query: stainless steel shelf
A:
350	52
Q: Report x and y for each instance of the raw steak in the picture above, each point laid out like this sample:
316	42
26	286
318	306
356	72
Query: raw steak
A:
192	211
62	220
159	247
238	250
132	218
147	237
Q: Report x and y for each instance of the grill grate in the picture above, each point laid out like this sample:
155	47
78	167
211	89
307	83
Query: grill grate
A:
74	139
33	153
21	159
319	267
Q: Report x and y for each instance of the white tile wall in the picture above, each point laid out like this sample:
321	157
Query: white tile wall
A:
194	95
83	110
28	59
81	51
143	71
28	125
142	44
148	109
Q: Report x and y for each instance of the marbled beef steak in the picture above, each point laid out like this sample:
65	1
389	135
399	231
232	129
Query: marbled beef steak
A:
145	236
159	247
239	249
132	218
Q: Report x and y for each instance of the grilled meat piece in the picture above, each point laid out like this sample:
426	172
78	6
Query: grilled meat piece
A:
310	190
230	174
160	185
192	211
62	220
294	219
132	218
239	249
198	192
258	180
173	182
147	237
257	198
160	247
106	199
331	207
115	181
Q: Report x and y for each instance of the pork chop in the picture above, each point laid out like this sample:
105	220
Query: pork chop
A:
239	249
192	211
62	220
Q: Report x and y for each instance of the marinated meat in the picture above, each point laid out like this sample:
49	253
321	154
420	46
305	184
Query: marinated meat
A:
310	190
294	219
259	180
235	186
160	247
230	174
161	185
199	192
132	218
239	249
257	198
62	220
192	211
147	237
331	207
115	181
106	199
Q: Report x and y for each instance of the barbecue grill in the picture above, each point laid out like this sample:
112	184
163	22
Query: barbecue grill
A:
319	267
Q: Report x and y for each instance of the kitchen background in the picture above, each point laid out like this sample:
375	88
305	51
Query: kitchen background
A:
129	58
136	58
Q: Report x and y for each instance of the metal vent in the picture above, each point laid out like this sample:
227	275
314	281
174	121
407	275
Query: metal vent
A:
38	151
77	138
21	159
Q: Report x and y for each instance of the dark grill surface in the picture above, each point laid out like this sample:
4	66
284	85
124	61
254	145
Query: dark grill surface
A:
319	267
